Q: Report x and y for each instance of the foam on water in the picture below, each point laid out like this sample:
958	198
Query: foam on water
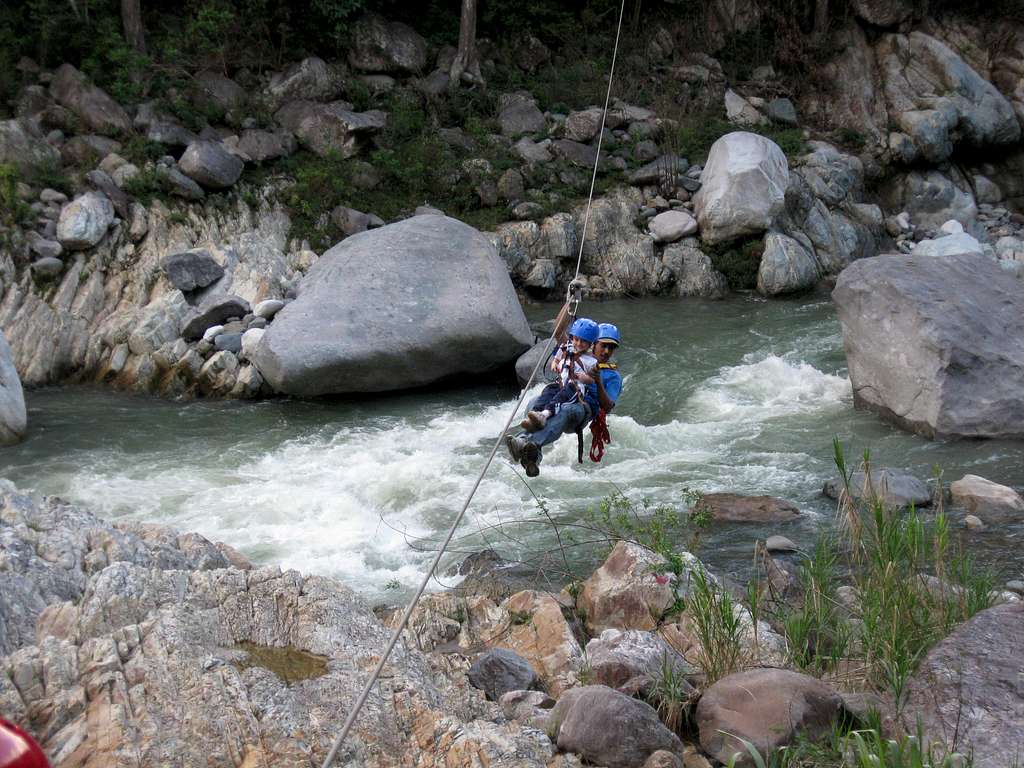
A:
344	489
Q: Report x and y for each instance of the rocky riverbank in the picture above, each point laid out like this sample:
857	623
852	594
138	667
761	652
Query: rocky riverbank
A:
150	268
133	644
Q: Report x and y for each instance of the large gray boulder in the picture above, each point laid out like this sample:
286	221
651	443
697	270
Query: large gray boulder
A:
608	728
13	417
694	272
891	487
23	147
326	128
766	707
311	79
520	114
967	691
85	221
190	270
938	100
990	501
209	164
935	344
212	90
93	106
501	671
396	307
743	187
786	266
379	45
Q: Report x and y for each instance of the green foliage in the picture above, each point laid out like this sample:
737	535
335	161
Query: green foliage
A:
850	137
718	626
693	136
114	64
145	186
738	261
13	210
818	636
671	695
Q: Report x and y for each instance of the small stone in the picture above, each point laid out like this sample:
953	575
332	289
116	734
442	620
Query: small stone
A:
527	210
42	246
780	544
952	227
230	342
258	322
212	332
267	308
973	523
1016	586
48	266
250	339
53	196
500	671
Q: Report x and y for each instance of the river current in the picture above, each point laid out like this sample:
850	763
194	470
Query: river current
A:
743	395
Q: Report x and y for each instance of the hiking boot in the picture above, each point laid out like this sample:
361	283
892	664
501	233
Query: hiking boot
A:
527	425
515	447
537	419
531	455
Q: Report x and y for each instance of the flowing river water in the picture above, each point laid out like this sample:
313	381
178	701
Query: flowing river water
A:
743	395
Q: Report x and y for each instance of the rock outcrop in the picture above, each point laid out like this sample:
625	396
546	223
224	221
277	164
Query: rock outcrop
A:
133	644
384	310
13	417
966	691
936	344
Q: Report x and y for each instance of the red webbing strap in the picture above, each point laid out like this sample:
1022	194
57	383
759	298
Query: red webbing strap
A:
599	436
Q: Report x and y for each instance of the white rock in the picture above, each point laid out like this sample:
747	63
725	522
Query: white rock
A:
973	523
780	544
84	222
13	416
952	227
250	339
950	245
903	219
988	499
670	226
743	187
740	111
211	332
268	308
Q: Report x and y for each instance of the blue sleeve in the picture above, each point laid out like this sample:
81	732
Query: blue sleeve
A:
612	384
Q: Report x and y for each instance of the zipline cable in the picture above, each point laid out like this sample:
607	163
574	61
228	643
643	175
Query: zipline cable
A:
397	633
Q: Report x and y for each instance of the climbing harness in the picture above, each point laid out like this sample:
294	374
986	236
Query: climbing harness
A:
599	436
575	290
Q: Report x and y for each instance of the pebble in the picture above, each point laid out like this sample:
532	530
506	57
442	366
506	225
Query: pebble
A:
48	266
212	331
268	308
52	196
974	523
1016	586
780	544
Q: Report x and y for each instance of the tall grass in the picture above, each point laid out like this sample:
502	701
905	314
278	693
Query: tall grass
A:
912	581
718	625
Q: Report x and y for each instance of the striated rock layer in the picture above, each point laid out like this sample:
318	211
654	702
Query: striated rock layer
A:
132	645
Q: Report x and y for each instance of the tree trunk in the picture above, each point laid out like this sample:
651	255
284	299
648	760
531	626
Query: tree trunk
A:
466	67
134	32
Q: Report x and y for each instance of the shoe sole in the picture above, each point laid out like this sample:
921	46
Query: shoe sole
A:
516	455
530	455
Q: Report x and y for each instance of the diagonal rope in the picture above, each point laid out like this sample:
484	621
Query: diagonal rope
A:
397	633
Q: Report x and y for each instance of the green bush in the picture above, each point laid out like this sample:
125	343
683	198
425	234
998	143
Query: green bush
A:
693	136
738	261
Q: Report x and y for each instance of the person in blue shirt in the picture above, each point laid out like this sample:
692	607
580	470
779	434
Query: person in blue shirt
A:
527	448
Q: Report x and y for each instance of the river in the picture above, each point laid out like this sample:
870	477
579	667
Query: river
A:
743	395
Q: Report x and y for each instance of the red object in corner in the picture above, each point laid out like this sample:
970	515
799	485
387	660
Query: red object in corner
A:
18	749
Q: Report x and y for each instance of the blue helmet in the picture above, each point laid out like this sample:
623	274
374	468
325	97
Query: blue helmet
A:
608	332
586	329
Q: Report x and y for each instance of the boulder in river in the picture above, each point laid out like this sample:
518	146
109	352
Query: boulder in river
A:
892	488
989	500
13	418
733	508
397	307
936	344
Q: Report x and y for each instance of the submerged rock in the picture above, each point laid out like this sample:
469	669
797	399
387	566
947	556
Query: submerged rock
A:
382	311
936	344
